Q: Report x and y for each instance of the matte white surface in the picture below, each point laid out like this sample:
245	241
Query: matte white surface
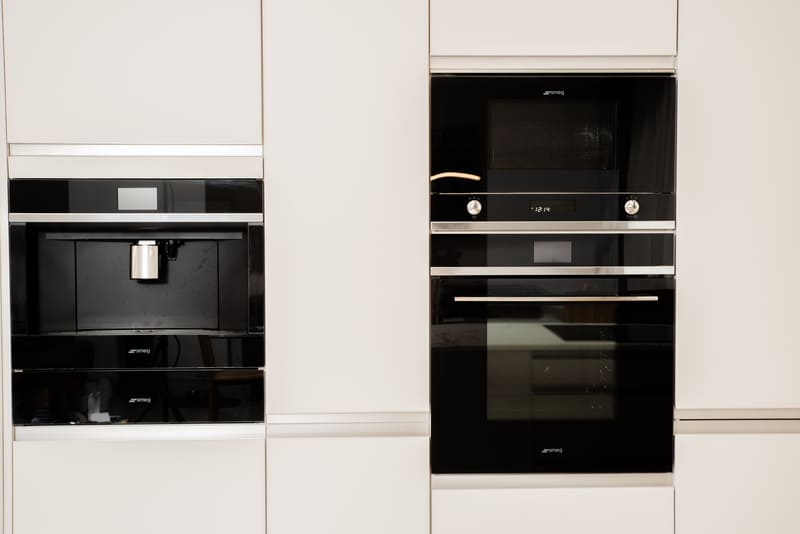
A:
599	510
133	71
737	484
348	485
5	322
738	191
72	487
155	432
547	28
346	141
38	149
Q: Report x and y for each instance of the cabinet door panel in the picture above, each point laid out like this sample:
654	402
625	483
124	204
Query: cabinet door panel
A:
346	133
564	28
133	71
348	485
158	487
617	510
737	254
737	483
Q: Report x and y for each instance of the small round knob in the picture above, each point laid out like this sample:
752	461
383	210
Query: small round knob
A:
474	207
632	206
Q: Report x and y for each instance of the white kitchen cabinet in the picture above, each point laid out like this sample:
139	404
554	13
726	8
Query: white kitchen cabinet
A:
553	510
737	483
133	71
348	485
737	253
158	487
346	137
516	28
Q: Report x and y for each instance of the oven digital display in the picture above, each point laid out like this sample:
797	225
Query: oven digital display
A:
552	252
552	207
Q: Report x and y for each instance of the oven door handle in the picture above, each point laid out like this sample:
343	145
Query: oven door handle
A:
632	298
461	175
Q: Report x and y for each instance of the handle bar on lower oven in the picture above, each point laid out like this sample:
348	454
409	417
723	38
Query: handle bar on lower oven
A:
632	298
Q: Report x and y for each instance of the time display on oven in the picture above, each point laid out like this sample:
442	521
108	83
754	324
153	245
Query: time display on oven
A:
552	207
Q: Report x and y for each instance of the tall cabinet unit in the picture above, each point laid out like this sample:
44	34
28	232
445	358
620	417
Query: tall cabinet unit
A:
346	170
737	399
539	37
144	89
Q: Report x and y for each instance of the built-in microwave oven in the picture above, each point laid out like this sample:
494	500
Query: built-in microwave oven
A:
543	148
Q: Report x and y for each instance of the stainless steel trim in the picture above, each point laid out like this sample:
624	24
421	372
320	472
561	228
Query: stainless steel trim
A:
168	432
37	149
552	227
137	217
526	481
538	193
738	413
553	271
549	64
460	175
741	426
349	417
349	425
643	298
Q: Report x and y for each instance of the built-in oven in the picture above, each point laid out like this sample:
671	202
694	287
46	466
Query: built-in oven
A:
552	352
553	148
136	301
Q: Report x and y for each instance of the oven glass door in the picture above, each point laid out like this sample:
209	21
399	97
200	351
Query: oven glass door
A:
552	375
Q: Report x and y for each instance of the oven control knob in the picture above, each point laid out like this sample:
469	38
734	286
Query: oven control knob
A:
474	207
632	206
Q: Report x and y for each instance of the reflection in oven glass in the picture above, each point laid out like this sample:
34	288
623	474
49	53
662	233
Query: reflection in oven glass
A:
554	381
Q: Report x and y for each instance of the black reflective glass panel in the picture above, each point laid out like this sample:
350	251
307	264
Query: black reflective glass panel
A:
552	133
552	207
602	250
136	351
577	378
103	196
131	397
532	133
77	278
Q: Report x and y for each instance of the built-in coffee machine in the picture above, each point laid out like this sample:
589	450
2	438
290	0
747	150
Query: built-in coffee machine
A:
136	301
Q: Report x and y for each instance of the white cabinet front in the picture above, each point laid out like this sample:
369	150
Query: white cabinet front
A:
737	291
737	483
346	137
157	487
563	28
133	71
348	485
599	510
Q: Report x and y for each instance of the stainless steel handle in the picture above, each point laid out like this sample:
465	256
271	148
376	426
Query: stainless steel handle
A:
136	217
614	270
638	298
552	227
461	175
